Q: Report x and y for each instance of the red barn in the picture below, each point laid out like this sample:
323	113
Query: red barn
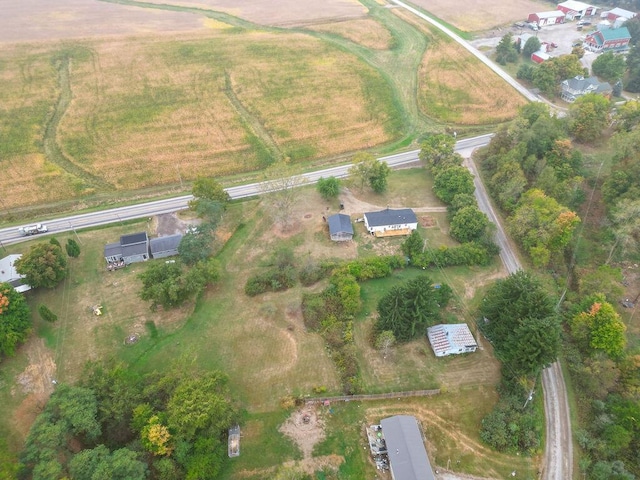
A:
546	18
539	56
574	9
608	40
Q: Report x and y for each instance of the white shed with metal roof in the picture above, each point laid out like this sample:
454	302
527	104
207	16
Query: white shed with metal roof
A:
451	339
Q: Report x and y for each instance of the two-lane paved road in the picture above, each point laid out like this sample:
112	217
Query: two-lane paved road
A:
115	215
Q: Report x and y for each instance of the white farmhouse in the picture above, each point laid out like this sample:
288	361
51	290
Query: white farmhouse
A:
388	222
8	274
451	339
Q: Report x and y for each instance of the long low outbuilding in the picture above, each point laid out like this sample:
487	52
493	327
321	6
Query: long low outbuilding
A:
408	459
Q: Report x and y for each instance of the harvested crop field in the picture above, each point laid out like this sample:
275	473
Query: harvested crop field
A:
365	31
148	111
456	87
45	20
280	13
481	14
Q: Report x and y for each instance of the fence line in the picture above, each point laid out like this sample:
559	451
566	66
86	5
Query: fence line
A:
374	396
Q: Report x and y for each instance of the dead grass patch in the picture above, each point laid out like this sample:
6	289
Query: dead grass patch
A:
456	87
43	20
481	15
365	31
281	13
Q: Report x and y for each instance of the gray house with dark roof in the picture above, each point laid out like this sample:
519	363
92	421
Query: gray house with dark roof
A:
408	459
388	222
162	247
576	87
131	248
340	228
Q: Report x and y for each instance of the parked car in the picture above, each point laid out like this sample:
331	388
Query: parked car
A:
534	26
519	24
584	23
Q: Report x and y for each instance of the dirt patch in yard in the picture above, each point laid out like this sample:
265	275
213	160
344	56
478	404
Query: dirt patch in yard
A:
37	381
306	428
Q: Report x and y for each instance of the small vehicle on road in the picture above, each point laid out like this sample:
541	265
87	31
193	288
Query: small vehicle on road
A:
33	229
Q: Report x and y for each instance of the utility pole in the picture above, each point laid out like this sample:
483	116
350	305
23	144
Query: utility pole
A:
74	231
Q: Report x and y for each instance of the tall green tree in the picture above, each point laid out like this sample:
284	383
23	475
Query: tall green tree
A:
600	327
69	419
588	117
15	319
73	248
408	309
207	188
506	50
44	265
468	224
531	45
542	225
453	181
368	170
328	187
609	66
100	464
626	227
437	149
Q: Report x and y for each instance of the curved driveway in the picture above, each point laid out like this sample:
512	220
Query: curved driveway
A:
558	455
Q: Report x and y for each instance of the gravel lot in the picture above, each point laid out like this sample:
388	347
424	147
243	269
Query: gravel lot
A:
564	35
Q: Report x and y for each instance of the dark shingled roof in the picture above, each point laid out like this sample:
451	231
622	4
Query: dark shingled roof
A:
165	244
407	455
391	217
112	249
340	223
133	250
133	238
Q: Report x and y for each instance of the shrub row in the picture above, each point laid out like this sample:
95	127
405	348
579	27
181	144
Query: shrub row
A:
274	280
331	312
465	254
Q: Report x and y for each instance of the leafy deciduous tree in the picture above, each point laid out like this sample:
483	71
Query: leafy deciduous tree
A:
15	319
609	66
600	327
588	117
468	224
531	45
453	181
43	266
328	187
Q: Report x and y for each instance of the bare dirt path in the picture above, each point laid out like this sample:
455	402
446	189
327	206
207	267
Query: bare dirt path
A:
353	206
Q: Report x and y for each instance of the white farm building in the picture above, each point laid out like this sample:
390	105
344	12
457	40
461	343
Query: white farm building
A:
388	222
451	339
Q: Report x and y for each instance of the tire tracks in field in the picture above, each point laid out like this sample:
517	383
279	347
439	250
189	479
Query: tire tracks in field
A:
250	121
52	150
